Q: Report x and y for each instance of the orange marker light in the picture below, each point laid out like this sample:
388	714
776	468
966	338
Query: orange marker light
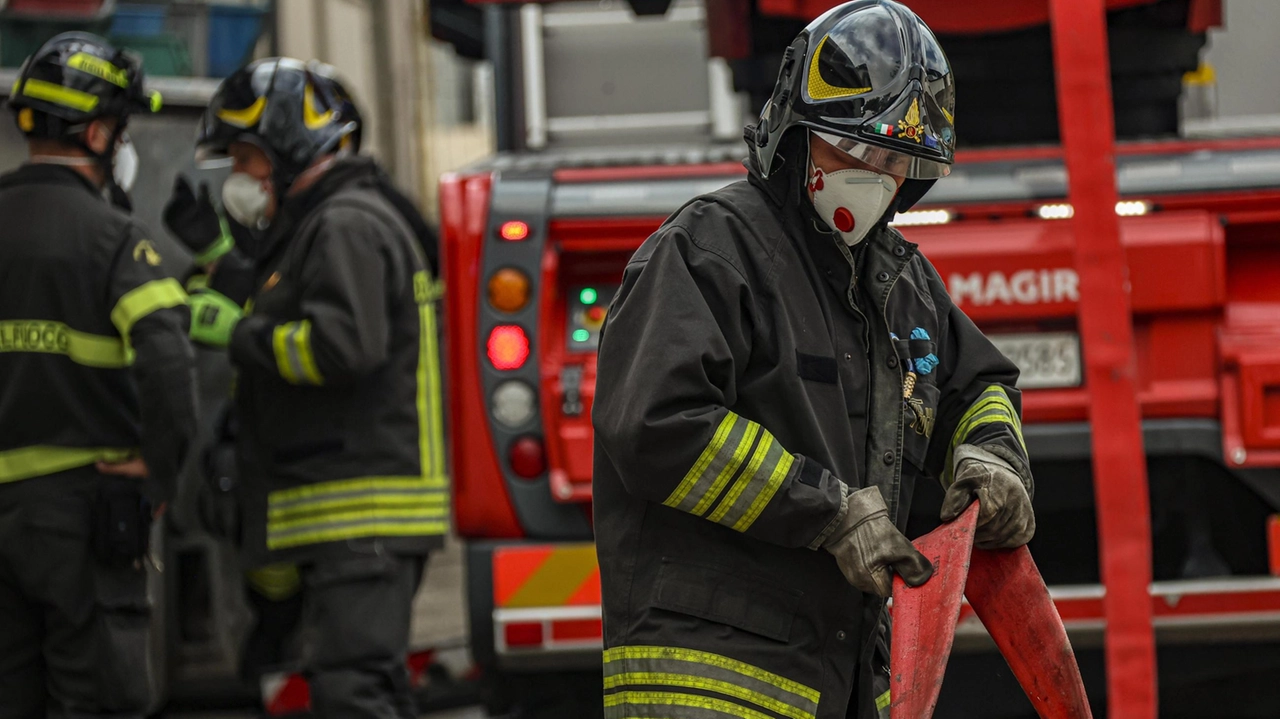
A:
509	290
508	347
514	231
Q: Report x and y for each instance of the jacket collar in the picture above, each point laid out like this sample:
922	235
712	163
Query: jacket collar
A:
40	173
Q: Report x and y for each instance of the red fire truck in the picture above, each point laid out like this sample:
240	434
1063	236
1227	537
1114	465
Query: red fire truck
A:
535	240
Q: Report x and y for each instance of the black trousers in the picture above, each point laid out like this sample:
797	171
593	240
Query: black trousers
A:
356	621
73	632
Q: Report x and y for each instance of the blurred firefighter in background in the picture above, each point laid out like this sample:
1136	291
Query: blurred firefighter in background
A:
777	370
195	218
98	403
340	453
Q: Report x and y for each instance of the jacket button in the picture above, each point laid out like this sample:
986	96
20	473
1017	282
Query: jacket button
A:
893	361
848	356
882	276
888	457
841	636
899	251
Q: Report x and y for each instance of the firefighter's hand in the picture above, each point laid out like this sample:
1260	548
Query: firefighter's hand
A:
135	467
1005	517
214	317
867	546
193	219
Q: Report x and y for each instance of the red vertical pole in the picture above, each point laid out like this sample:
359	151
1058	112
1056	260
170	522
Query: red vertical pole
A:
1106	326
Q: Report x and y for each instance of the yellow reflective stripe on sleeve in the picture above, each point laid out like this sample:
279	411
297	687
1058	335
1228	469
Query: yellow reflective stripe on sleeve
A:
780	471
704	460
302	345
730	468
756	487
39	460
145	299
884	700
645	703
753	467
59	95
281	346
56	338
993	402
991	407
291	344
692	661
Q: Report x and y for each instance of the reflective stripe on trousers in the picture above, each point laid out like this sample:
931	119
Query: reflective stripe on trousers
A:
647	682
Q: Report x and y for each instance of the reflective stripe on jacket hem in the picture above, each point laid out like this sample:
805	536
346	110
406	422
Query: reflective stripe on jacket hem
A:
39	460
355	508
648	681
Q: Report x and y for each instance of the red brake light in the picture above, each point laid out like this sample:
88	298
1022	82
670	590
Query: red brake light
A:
528	457
523	634
508	347
514	231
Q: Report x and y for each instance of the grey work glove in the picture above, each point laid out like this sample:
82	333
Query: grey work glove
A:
866	545
1005	517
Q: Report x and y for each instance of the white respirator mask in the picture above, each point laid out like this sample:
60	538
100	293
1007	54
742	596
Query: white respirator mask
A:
245	198
124	170
851	201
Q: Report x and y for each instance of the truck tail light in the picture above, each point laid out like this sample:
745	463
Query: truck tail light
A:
508	347
514	231
513	403
523	634
528	457
509	290
577	630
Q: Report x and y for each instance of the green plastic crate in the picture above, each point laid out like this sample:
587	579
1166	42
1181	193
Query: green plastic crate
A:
162	55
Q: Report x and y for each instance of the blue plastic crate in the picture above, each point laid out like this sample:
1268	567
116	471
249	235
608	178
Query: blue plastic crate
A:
233	31
138	20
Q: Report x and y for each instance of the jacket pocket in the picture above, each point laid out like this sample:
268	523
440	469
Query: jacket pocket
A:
718	596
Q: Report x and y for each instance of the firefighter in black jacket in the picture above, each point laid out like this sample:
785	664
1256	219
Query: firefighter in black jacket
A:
338	397
97	402
777	370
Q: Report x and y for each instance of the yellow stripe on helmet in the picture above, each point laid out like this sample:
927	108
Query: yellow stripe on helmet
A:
246	117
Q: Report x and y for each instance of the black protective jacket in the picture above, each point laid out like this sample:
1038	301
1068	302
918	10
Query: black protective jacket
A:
94	357
338	393
747	370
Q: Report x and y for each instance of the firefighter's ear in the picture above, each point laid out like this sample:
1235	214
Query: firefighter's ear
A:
97	136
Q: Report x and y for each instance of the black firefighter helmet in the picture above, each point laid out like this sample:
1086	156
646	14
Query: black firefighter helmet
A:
869	77
75	78
293	110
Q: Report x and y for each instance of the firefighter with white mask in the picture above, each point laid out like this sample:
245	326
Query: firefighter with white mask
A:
778	369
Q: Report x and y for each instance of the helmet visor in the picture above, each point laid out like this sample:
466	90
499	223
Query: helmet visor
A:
888	161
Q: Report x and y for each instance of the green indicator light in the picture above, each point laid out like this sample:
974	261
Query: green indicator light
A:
581	335
589	296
